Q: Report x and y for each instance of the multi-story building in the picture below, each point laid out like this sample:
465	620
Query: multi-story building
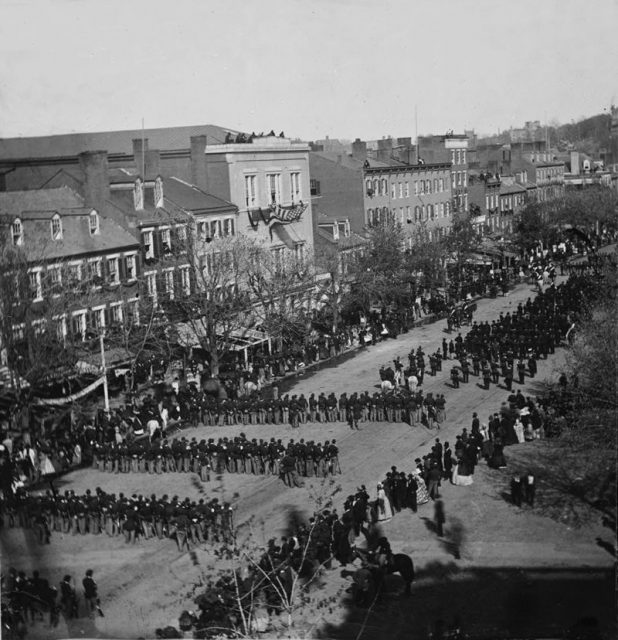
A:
69	247
451	148
267	178
417	196
495	202
337	187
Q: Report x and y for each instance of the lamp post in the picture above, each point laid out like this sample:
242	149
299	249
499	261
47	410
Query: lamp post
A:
104	371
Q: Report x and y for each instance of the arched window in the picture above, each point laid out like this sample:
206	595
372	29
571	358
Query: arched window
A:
422	212
376	186
17	231
56	227
435	185
428	186
369	186
93	222
384	187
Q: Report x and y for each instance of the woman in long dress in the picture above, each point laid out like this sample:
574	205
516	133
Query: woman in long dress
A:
422	495
384	506
462	476
519	430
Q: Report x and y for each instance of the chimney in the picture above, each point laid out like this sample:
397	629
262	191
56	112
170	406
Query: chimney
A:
359	150
96	178
385	149
153	162
199	168
140	147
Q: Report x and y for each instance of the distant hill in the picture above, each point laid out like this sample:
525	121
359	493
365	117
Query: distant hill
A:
588	135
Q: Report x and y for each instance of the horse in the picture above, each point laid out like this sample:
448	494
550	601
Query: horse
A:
388	564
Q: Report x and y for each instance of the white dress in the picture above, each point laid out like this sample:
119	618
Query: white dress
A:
519	431
384	507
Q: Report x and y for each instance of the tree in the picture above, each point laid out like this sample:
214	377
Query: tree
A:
38	346
379	276
281	286
425	260
208	306
460	245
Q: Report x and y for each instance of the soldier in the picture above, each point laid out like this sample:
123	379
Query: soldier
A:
521	371
486	376
465	369
455	377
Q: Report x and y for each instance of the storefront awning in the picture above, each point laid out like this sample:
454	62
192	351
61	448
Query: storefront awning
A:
237	339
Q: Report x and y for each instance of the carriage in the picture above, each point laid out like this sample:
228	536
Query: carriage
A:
461	315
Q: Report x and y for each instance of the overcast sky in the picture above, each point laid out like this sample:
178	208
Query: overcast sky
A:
343	68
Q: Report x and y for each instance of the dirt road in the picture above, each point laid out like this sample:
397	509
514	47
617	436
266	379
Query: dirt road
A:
147	586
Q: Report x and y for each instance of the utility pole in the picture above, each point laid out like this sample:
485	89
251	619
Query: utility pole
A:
104	372
416	131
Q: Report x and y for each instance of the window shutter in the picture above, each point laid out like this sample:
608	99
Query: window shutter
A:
122	271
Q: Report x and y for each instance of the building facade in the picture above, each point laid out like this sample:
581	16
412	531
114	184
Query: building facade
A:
416	196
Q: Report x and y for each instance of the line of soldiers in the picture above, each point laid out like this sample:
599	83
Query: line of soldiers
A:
231	455
134	517
512	345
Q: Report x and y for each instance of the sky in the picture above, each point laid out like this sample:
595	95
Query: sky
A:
312	68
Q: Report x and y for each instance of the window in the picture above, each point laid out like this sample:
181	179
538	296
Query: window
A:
75	273
98	318
453	180
463	156
169	284
430	212
60	326
295	186
383	187
408	214
458	156
441	185
487	202
452	156
93	223
228	227
427	186
422	212
78	324
18	232
447	208
401	214
56	228
416	191
393	191
368	188
94	269
185	280
181	233
148	244
435	185
112	271
129	267
36	289
151	285
401	189
215	229
133	311
459	179
273	182
406	191
376	187
54	277
464	176
314	187
299	252
166	241
116	312
250	191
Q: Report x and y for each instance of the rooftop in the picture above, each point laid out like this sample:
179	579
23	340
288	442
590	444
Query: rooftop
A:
115	142
36	209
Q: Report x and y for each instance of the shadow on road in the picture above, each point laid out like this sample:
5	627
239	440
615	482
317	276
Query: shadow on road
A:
490	604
